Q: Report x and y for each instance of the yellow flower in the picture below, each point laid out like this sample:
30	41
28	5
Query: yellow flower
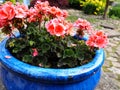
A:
97	9
100	3
95	13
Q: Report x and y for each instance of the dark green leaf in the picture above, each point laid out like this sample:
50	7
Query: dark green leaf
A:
45	47
68	53
27	58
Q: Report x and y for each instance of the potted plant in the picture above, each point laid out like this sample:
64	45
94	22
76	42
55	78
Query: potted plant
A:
44	51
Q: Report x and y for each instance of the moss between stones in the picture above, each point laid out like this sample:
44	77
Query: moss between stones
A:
118	77
105	69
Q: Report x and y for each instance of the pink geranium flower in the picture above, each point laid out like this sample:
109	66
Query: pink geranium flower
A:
21	10
35	52
53	10
59	29
42	6
56	12
7	11
98	39
50	28
32	15
59	13
82	24
65	13
3	23
56	27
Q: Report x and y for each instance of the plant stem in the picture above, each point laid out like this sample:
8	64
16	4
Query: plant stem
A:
13	35
40	23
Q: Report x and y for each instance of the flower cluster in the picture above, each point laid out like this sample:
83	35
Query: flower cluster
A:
58	27
97	39
93	6
41	10
8	12
46	37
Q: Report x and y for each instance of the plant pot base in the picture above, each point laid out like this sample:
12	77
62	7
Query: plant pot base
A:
13	81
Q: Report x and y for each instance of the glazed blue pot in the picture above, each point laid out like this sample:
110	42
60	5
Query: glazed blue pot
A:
17	75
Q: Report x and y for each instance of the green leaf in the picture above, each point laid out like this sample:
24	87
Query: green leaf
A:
81	57
11	44
68	53
15	50
45	47
31	43
27	58
67	62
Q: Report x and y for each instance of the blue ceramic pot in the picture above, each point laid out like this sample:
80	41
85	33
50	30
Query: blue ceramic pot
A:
17	75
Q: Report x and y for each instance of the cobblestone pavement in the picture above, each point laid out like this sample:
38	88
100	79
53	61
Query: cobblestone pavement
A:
110	79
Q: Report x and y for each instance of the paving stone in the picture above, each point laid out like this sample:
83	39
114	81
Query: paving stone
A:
114	55
118	51
112	59
116	64
116	42
109	49
113	34
107	83
114	70
111	44
106	63
1	86
116	39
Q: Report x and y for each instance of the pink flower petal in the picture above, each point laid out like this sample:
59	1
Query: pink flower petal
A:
7	56
35	52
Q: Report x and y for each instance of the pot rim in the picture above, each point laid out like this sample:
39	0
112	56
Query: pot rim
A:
50	74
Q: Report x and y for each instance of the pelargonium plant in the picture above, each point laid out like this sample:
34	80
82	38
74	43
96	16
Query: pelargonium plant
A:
46	38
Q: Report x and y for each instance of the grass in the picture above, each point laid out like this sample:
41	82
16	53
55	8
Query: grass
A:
118	77
105	68
92	20
72	18
20	0
118	1
114	17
